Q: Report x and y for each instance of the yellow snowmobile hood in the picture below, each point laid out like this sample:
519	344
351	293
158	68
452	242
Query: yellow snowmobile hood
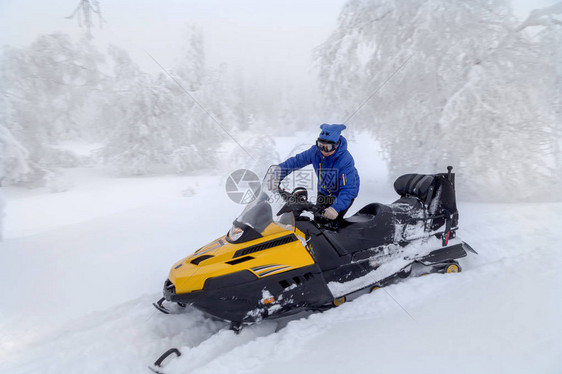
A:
271	254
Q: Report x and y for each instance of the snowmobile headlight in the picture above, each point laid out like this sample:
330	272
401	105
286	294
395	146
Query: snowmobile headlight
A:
235	233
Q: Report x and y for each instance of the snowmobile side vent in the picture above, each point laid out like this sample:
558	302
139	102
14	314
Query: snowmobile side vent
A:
286	283
239	260
266	245
198	260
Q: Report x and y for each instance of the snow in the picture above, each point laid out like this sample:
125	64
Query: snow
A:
83	258
93	197
80	269
400	258
80	148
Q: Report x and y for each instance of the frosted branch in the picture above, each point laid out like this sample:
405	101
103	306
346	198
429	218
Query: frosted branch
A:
542	17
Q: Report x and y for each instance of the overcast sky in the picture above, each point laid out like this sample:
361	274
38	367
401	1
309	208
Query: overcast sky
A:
264	37
261	37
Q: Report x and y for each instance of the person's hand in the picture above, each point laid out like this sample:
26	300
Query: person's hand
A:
330	213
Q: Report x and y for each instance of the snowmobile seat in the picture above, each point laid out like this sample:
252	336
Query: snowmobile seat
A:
370	227
368	213
359	218
406	208
365	214
436	193
372	209
435	190
417	185
407	203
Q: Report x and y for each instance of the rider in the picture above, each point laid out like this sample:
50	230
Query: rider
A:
338	180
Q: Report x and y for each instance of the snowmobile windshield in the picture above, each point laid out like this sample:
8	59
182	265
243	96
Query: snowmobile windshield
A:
260	215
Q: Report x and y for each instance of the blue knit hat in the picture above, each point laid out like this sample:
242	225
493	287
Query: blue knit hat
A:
331	133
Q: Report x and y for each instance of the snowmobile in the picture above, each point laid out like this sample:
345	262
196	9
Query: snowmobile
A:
277	259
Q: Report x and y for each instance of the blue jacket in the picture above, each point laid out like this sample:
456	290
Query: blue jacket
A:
337	175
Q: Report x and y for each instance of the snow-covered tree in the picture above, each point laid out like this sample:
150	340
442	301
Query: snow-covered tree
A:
137	138
206	100
47	87
85	13
59	89
442	82
260	146
549	39
14	165
191	66
171	120
2	206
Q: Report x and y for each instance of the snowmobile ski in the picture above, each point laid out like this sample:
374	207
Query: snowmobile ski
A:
158	305
157	366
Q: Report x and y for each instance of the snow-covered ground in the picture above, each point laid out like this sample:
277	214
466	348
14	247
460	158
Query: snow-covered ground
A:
80	269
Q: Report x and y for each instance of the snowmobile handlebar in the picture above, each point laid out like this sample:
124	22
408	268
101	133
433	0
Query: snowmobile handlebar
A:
296	204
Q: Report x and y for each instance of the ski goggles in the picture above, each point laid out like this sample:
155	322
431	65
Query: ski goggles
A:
326	146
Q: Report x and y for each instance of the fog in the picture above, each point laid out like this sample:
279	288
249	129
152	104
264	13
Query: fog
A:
267	39
157	87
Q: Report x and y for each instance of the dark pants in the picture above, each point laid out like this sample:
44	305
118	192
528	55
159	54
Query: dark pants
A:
326	201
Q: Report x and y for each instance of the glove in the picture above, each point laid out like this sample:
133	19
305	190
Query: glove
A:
330	213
